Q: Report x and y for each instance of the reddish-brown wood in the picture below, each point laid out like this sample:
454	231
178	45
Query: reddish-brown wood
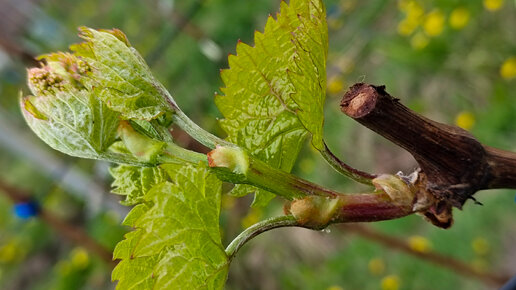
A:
453	164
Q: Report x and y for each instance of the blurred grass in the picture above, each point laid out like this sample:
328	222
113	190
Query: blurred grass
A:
441	68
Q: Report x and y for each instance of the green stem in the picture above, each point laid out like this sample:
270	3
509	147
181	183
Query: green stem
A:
123	159
313	206
190	127
174	153
344	169
202	136
233	164
258	228
283	183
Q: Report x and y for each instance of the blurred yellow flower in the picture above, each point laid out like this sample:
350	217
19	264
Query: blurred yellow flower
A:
434	23
419	41
335	85
407	26
459	18
334	287
465	120
419	244
508	68
493	5
251	218
480	246
376	266
411	8
413	14
391	282
8	253
79	258
12	251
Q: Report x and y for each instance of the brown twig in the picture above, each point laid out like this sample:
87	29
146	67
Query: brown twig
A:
429	256
70	232
453	164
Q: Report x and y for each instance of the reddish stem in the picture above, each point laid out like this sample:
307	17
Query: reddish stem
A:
369	207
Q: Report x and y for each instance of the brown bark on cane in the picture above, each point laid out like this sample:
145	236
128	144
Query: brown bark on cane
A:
453	164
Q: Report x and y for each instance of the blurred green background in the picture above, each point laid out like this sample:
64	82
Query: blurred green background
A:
453	61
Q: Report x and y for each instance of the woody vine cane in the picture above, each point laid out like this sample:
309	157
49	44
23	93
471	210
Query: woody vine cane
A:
101	101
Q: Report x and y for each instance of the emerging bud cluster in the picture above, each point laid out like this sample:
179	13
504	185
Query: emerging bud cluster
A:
80	98
65	111
75	66
42	80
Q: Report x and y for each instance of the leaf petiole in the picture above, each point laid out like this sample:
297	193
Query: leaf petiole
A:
176	154
202	136
123	159
258	228
344	169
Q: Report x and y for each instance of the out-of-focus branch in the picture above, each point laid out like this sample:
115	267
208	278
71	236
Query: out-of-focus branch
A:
73	233
456	266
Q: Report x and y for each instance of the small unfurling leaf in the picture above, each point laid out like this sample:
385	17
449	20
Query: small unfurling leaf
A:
64	113
121	77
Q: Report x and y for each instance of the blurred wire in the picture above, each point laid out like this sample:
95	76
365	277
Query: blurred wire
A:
168	36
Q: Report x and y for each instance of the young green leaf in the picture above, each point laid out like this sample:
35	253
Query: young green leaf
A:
176	244
134	182
275	91
65	114
121	76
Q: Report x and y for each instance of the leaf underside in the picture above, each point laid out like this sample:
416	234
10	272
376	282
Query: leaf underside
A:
75	123
176	243
274	92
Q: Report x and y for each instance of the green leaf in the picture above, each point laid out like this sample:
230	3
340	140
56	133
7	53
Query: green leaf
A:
134	182
121	76
68	117
176	244
275	91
